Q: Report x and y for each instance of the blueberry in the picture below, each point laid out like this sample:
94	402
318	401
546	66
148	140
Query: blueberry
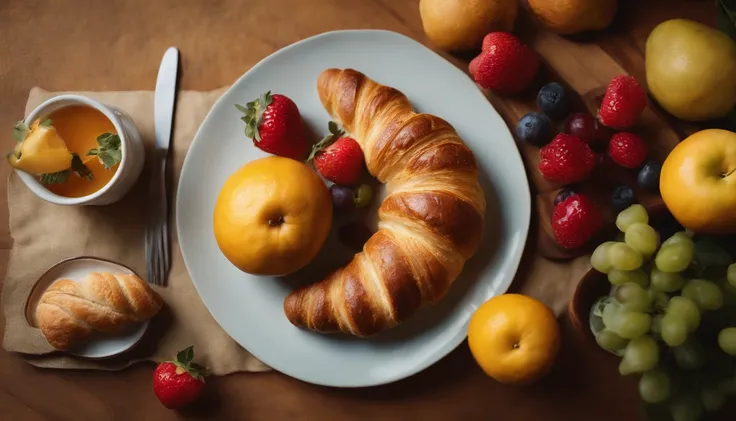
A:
553	101
342	198
622	198
648	178
563	194
535	129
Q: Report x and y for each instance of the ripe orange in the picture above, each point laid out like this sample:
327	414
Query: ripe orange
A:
514	338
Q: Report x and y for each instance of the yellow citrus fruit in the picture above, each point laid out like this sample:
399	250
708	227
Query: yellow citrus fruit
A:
514	338
573	16
272	216
460	25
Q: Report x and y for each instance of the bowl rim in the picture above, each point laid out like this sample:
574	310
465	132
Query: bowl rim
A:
68	100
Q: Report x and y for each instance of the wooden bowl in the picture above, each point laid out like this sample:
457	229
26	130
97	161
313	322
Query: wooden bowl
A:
594	284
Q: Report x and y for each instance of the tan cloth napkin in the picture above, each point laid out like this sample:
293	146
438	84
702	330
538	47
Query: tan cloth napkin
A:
44	234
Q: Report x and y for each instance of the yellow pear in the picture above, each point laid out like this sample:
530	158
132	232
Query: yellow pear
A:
691	69
460	25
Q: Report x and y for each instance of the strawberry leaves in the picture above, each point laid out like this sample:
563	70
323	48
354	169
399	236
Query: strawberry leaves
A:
335	133
108	152
253	114
184	363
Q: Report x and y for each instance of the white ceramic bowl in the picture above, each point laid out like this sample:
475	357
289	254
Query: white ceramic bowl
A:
130	166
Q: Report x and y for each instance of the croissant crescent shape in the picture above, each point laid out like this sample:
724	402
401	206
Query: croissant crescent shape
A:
430	222
68	312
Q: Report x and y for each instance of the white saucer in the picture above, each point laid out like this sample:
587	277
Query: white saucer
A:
98	346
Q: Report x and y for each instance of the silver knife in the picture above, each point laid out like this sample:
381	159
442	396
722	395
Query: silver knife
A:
163	112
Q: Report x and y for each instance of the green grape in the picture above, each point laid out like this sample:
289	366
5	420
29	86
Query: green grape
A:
641	354
727	386
673	257
689	355
631	215
624	257
630	324
660	300
686	408
729	293
610	341
642	238
705	294
727	340
713	399
673	330
666	281
656	327
679	238
654	386
609	313
620	277
633	297
600	259
731	274
686	309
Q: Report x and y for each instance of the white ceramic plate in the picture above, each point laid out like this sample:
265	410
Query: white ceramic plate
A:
98	346
250	309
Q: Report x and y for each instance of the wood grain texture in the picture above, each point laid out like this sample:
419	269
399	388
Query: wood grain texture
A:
116	45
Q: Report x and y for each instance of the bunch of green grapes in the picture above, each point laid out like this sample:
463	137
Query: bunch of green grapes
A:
670	316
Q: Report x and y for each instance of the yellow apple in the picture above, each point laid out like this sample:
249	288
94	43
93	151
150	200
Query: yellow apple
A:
272	216
698	183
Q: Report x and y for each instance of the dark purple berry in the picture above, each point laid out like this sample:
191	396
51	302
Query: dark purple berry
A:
534	129
648	178
552	100
621	198
342	198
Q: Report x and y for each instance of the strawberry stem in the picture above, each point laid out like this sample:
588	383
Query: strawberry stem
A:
335	133
253	114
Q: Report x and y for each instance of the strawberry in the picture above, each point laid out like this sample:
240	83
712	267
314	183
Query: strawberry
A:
178	383
575	221
623	102
275	125
566	159
505	64
627	149
338	159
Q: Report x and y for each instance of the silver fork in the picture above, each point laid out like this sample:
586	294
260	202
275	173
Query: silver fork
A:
158	250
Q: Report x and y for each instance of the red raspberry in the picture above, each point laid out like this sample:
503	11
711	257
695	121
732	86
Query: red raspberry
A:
623	102
566	159
575	221
627	149
505	64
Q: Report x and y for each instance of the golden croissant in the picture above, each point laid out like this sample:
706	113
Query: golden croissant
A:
430	222
68	311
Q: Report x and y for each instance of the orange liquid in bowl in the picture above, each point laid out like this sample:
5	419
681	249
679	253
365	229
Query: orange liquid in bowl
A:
80	126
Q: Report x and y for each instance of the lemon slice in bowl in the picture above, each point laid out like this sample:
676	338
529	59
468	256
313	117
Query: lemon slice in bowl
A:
40	150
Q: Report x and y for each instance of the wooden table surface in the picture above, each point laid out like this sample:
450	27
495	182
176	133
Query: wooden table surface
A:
117	45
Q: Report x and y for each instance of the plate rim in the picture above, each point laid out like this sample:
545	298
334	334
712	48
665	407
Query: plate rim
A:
454	341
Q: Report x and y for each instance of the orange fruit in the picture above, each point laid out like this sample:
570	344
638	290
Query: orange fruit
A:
698	182
460	25
514	338
272	216
573	16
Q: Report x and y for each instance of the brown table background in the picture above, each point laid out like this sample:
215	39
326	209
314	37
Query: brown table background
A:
117	45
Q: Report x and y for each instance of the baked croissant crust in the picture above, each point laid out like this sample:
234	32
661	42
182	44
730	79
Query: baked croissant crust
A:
430	222
68	311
